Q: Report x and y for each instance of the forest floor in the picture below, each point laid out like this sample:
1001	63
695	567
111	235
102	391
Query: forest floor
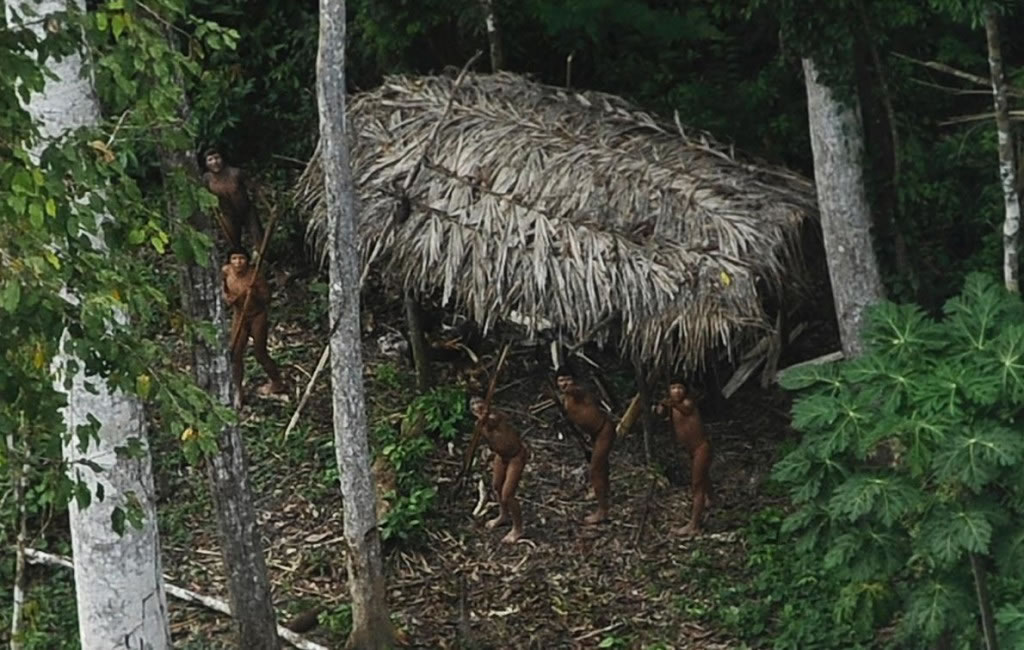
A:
627	583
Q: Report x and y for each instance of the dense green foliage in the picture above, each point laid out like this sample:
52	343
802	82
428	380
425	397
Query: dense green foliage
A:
911	459
433	417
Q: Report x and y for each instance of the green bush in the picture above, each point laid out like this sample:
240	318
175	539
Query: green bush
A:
782	598
438	413
911	461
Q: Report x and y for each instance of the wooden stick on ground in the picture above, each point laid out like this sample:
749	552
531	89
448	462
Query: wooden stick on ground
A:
41	557
324	356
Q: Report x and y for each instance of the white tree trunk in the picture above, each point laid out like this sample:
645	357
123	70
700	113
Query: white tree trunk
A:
837	142
371	626
118	579
1007	164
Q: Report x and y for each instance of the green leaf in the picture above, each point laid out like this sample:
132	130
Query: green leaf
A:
931	607
886	497
158	243
900	332
117	520
82	495
807	376
118	25
814	413
1009	353
35	214
946	534
973	315
10	296
51	207
975	457
101	21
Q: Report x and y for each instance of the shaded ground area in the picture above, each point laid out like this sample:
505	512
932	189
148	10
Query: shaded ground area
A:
628	583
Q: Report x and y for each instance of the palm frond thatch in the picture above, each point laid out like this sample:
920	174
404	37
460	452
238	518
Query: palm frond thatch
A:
572	207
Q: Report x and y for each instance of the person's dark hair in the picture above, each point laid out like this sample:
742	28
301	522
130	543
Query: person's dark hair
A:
212	150
565	371
238	251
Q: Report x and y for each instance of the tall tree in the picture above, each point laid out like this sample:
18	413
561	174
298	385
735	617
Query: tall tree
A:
1007	164
118	575
493	35
371	625
837	142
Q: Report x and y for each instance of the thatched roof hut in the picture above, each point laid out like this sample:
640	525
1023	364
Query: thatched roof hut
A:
574	208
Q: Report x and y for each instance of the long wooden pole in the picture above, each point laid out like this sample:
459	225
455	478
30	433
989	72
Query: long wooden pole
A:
237	328
467	463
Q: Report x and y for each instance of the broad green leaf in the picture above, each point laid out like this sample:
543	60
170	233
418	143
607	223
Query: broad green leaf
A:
814	413
899	331
35	214
946	534
10	296
807	376
975	457
932	607
118	25
1009	353
887	498
974	314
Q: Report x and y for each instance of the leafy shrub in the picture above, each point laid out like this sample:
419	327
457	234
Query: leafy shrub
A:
439	413
782	598
911	461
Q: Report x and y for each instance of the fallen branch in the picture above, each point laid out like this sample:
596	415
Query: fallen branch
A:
41	557
309	389
593	633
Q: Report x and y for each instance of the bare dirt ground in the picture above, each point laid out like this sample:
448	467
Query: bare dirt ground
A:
628	583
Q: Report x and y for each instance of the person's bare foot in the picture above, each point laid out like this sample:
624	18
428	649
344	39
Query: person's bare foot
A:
512	536
497	521
595	518
689	530
273	388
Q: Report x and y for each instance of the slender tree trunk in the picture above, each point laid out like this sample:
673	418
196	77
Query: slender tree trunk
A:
371	626
1007	164
19	472
417	341
838	146
241	548
118	578
643	387
988	621
493	35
